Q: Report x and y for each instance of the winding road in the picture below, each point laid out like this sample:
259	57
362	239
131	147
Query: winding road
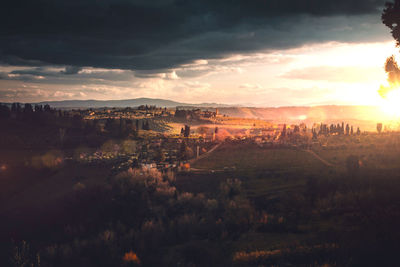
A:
326	163
204	155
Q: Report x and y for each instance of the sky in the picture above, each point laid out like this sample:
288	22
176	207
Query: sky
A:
252	53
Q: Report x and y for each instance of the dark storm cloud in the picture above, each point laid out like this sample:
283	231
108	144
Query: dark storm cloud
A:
149	35
55	76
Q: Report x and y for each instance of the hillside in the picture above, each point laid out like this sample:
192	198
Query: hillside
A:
124	103
363	116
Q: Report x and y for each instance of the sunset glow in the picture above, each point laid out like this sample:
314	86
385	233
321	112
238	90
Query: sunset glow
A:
391	103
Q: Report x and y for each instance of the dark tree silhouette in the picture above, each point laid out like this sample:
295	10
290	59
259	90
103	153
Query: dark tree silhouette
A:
4	111
47	108
27	112
283	133
379	127
28	109
187	131
391	18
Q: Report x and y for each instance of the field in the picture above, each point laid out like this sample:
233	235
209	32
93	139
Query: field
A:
263	171
275	178
268	176
374	150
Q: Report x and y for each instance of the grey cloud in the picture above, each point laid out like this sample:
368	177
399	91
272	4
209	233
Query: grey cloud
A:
71	70
151	35
55	76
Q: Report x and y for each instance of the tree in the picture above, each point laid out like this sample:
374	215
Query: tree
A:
28	109
185	152
16	108
187	131
314	134
391	18
379	127
77	121
109	126
4	111
47	108
283	133
122	131
38	108
146	126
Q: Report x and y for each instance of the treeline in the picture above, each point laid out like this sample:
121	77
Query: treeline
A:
28	126
335	129
151	108
26	111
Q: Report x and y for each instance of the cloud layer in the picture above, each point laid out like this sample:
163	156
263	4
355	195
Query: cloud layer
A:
165	34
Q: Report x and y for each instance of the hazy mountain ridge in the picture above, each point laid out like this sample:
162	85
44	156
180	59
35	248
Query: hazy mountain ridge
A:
365	116
304	112
124	103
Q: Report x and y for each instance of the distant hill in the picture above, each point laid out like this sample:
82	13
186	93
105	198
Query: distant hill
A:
362	116
123	103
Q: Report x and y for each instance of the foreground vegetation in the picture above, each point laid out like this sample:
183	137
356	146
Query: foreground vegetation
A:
275	207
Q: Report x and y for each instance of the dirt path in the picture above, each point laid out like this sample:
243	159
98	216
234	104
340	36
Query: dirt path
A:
326	163
202	156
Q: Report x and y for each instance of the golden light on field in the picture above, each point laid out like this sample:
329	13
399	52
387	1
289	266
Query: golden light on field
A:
390	94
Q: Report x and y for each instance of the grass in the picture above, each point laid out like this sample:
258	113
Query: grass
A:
251	157
267	175
374	151
263	171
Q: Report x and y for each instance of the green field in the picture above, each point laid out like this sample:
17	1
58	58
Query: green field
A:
374	151
263	171
268	176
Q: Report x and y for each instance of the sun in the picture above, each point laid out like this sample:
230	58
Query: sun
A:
390	103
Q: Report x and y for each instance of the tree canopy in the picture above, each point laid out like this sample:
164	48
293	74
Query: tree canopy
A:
391	18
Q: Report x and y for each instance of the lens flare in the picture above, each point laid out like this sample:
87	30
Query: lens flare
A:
391	94
390	103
